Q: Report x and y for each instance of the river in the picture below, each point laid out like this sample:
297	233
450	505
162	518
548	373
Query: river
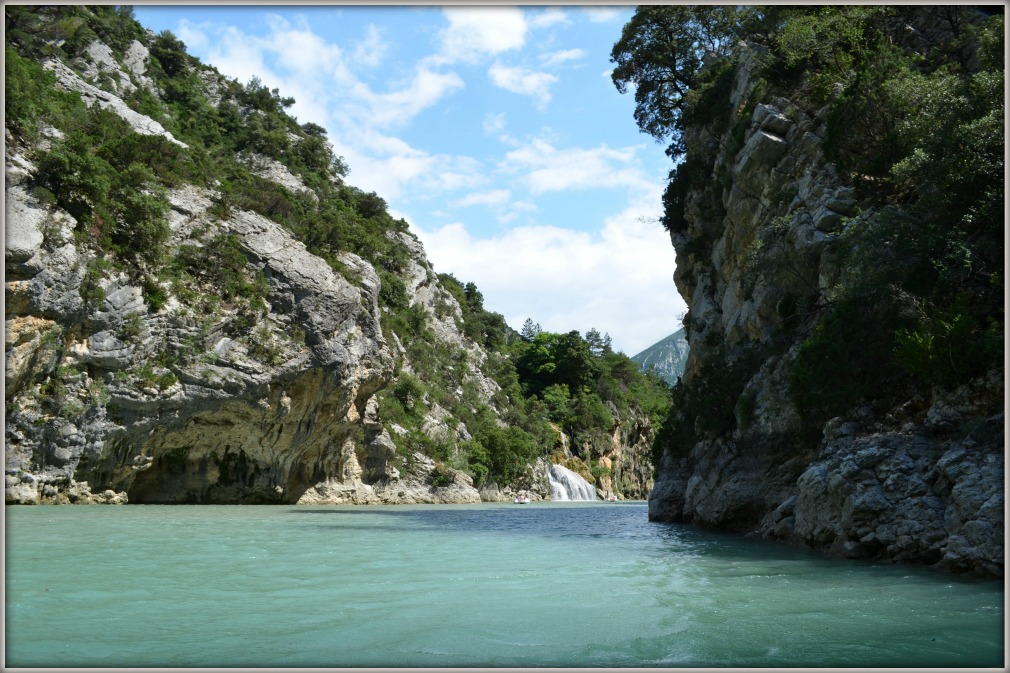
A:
543	584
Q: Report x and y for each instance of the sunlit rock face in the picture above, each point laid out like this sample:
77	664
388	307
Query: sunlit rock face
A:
886	481
240	420
287	416
205	395
71	81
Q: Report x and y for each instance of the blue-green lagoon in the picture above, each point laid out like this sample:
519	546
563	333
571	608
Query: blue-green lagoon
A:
545	584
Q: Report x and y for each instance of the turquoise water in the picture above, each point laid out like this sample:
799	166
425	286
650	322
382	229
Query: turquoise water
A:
567	584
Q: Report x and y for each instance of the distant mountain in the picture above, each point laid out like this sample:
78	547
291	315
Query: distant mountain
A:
666	356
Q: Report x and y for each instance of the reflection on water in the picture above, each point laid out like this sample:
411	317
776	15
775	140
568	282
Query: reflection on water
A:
570	584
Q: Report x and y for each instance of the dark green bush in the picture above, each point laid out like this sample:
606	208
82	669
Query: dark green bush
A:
848	359
170	52
409	391
440	476
948	348
31	97
393	292
704	406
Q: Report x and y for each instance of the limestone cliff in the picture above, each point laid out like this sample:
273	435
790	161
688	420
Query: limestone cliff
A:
232	419
199	309
900	473
207	396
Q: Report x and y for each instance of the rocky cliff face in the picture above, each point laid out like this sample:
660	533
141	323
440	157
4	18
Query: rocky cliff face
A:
261	372
232	420
201	400
892	479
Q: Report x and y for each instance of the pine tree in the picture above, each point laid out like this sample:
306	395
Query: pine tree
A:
530	330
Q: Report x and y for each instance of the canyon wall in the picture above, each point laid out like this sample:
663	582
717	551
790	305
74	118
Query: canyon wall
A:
247	368
917	478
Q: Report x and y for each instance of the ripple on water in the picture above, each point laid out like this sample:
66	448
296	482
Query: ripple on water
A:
581	584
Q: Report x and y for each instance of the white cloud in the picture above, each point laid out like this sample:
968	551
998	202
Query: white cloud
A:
393	169
492	198
451	173
558	57
549	169
399	107
494	123
522	81
300	50
619	281
370	51
193	35
476	32
602	14
499	201
549	17
240	56
318	74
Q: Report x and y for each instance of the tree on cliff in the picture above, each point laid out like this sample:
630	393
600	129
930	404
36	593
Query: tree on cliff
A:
660	54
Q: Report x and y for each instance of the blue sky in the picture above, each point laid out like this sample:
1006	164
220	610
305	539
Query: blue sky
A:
495	131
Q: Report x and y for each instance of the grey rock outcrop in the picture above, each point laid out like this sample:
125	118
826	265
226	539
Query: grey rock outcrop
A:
247	420
101	61
413	487
23	226
71	81
888	496
444	315
275	171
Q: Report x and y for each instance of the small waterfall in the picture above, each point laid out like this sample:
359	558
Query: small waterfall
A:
568	485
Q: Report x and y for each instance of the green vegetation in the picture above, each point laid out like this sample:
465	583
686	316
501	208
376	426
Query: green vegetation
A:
550	384
660	55
923	140
116	184
914	124
709	403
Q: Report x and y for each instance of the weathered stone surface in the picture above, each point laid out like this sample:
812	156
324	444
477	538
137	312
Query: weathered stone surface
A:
101	61
414	487
22	226
227	426
135	62
71	81
54	291
275	171
890	494
424	288
762	151
31	347
105	350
